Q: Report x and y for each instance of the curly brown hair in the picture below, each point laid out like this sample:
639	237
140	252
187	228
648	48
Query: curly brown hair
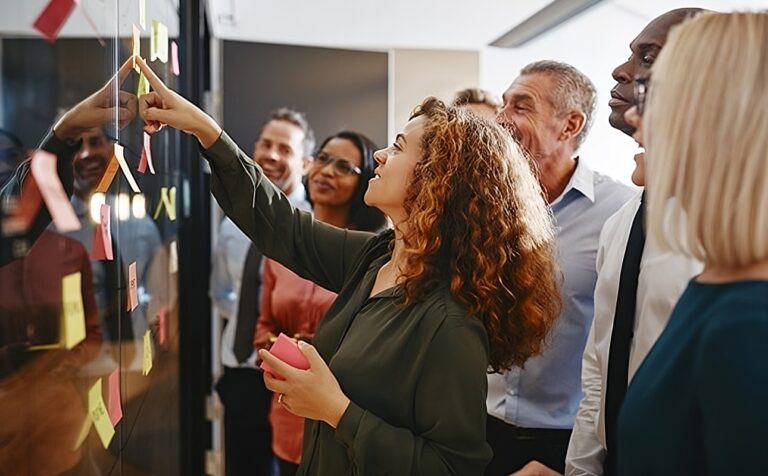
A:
477	215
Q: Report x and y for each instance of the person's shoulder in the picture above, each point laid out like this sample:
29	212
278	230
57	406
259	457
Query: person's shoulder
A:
608	187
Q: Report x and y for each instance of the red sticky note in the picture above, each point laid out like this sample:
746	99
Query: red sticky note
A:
175	58
114	407
44	171
54	16
102	240
287	350
146	156
133	294
161	327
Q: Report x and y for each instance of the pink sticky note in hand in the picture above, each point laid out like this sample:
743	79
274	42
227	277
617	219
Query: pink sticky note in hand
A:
287	350
54	16
114	407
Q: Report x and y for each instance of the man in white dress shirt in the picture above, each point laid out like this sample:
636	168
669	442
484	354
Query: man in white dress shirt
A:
663	275
283	151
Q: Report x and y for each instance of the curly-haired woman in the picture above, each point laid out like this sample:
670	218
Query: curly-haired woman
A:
466	279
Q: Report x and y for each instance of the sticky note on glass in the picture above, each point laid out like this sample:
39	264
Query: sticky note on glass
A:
175	58
173	260
53	17
99	415
85	428
161	327
133	294
143	14
136	47
146	156
109	175
159	43
287	350
102	240
114	407
72	313
143	87
44	171
124	167
167	202
146	365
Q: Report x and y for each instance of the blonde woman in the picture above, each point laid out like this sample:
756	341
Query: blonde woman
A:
467	279
696	406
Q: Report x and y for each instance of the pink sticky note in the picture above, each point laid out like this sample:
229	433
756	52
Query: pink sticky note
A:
146	156
44	171
53	17
175	58
114	407
161	323
102	240
287	350
133	295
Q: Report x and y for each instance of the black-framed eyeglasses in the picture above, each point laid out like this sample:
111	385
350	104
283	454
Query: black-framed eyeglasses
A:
341	167
641	93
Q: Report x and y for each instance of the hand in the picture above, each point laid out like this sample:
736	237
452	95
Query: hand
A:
99	108
534	468
163	106
263	341
305	337
313	393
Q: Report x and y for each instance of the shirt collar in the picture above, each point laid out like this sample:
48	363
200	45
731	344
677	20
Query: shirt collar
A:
582	180
298	196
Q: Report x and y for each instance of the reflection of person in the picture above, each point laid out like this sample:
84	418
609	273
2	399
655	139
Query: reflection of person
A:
38	433
337	182
695	404
661	278
478	101
283	148
397	377
11	154
549	109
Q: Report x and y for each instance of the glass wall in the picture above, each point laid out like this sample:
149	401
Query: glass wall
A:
89	342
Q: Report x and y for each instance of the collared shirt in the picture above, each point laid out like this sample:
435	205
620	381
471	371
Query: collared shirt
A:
547	392
226	275
663	277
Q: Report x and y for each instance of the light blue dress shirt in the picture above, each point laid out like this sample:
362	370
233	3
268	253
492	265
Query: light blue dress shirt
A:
547	392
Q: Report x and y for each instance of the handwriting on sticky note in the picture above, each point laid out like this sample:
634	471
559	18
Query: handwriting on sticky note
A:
175	58
287	350
53	17
109	175
146	365
99	415
173	260
159	42
119	151
114	406
133	293
44	171
102	240
72	313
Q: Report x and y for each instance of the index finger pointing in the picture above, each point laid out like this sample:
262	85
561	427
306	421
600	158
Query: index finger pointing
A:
156	83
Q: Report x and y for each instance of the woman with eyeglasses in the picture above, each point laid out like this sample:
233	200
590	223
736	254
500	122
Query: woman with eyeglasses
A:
466	280
337	180
696	405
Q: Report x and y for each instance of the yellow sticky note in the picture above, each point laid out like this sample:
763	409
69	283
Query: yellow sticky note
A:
147	361
143	87
159	43
124	167
167	201
84	430
99	415
143	14
72	313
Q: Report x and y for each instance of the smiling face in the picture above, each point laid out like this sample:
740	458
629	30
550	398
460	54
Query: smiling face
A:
280	153
388	188
645	49
328	187
91	160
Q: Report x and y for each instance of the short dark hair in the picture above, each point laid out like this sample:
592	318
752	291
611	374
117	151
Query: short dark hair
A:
298	119
573	91
361	216
476	96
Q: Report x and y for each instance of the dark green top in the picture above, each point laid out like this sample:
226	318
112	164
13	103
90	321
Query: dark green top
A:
697	405
416	375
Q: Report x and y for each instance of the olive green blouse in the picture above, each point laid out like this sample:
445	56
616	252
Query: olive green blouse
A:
415	375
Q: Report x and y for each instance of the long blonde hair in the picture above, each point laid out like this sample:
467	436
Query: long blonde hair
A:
706	139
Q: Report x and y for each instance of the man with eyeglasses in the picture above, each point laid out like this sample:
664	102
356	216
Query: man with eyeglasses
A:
283	150
637	284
